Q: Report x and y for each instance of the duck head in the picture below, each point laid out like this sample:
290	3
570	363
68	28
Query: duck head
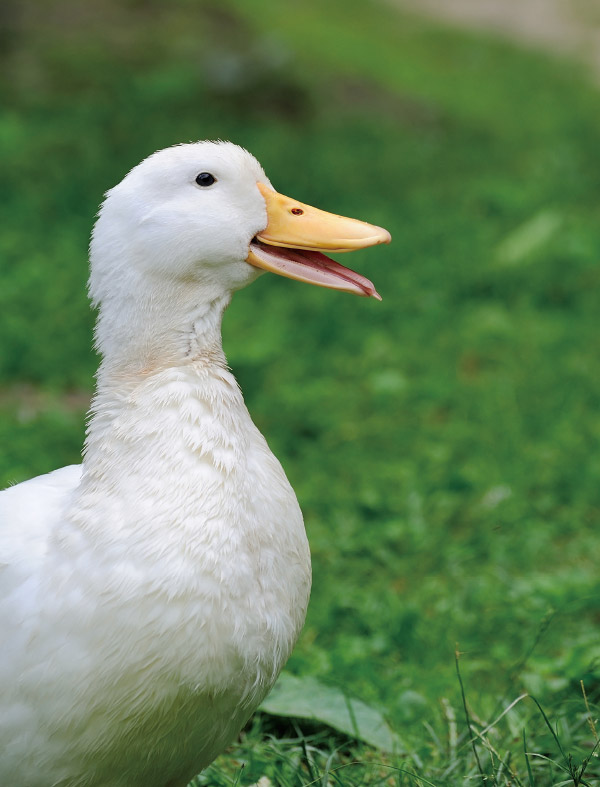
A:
182	231
207	212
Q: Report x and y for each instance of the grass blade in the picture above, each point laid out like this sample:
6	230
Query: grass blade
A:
529	771
468	718
554	735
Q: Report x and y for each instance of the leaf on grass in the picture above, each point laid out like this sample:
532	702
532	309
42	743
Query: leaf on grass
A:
307	698
526	239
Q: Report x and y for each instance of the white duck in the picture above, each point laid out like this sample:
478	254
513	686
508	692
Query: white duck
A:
150	597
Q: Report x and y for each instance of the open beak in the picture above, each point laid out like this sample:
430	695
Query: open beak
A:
296	234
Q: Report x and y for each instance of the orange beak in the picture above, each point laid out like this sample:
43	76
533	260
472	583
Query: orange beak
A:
296	234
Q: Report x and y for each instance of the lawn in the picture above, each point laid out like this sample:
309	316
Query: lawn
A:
445	443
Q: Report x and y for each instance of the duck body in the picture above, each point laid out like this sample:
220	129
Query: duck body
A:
196	606
150	597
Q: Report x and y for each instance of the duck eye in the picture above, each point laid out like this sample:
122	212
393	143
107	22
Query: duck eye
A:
205	179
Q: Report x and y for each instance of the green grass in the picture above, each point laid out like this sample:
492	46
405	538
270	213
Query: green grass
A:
444	443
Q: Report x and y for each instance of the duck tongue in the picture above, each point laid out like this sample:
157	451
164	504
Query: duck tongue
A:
313	267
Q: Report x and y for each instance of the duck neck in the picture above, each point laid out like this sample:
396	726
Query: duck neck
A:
156	330
159	350
164	401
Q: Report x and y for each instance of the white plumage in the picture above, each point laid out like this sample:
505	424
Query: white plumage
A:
150	597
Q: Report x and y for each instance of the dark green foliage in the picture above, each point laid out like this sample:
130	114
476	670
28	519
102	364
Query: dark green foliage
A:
445	443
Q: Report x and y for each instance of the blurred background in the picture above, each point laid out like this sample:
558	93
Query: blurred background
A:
444	444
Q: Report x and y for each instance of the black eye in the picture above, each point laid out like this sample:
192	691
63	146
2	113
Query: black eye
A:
205	179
